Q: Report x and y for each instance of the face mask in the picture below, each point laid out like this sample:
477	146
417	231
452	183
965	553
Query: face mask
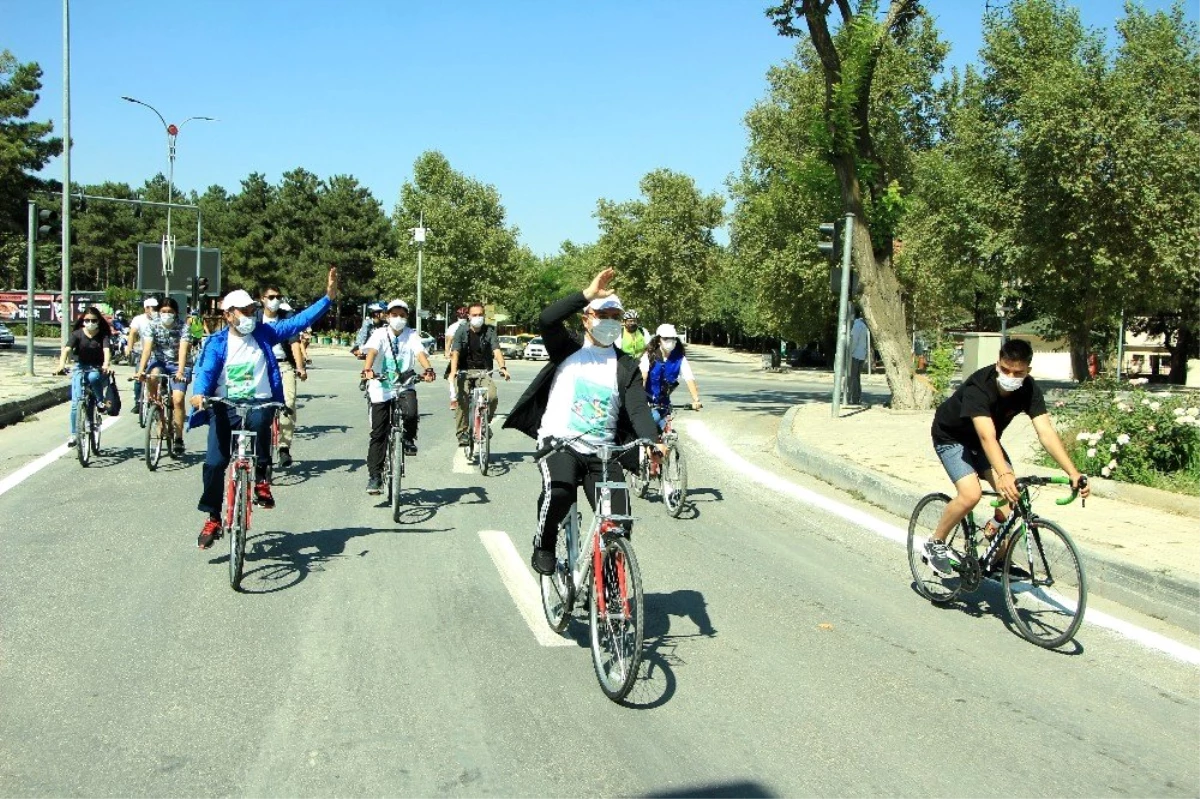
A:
605	331
152	314
91	327
274	303
245	325
397	323
1009	383
167	319
477	322
668	344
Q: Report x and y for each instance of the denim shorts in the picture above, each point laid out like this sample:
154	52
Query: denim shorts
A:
960	461
170	369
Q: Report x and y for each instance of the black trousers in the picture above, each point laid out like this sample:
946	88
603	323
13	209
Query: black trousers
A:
562	473
381	428
854	390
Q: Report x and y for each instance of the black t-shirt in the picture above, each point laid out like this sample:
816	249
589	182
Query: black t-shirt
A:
980	396
88	351
475	349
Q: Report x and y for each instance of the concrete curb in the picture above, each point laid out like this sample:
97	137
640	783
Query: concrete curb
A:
1157	595
13	411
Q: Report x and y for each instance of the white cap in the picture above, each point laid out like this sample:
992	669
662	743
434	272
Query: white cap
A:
397	304
149	302
606	303
237	299
666	331
283	306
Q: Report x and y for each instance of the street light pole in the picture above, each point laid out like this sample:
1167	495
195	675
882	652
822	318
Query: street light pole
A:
419	239
31	262
67	306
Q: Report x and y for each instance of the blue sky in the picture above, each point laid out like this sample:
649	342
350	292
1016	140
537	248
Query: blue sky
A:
555	103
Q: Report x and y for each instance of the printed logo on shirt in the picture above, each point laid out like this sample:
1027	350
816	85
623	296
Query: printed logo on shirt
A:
590	407
239	381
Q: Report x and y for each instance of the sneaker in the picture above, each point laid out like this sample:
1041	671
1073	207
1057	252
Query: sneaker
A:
375	485
262	494
71	441
543	561
285	457
209	533
410	447
179	448
937	556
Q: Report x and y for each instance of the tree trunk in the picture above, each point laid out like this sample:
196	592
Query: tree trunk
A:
1184	343
1078	341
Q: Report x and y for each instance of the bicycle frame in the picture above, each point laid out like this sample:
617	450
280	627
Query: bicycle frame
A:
586	558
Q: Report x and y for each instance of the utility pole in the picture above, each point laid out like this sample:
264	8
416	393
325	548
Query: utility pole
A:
67	307
29	270
418	238
839	360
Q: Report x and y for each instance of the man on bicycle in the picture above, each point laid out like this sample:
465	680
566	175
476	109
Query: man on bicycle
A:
137	327
291	367
633	337
590	392
166	353
238	363
397	347
475	346
373	321
966	436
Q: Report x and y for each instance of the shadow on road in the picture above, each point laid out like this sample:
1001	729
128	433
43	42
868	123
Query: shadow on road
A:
310	432
277	560
747	788
303	470
657	683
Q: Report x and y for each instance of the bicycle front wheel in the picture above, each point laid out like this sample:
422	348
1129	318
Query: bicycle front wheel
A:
144	410
154	438
485	444
921	526
674	482
239	518
558	591
615	616
397	474
97	428
1044	585
83	434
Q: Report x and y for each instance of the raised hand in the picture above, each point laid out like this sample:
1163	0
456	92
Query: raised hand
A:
331	286
599	287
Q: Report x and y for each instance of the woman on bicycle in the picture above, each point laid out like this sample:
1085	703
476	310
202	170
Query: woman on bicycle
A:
663	365
89	342
166	352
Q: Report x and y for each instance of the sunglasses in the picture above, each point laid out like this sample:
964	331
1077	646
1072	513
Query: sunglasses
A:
90	319
272	296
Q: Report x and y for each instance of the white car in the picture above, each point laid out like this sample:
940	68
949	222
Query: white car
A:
535	350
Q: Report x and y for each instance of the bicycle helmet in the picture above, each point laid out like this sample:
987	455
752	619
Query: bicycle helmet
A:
376	307
631	315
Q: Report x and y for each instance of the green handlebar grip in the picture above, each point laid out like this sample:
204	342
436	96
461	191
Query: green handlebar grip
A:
1061	480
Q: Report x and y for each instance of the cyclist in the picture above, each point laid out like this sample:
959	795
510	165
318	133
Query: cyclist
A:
633	335
400	346
663	365
966	436
372	322
166	352
238	363
89	343
475	346
290	357
136	326
590	391
451	331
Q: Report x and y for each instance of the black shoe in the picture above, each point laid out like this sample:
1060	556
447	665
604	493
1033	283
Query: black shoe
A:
464	440
543	560
410	447
1015	573
178	449
136	410
375	485
285	457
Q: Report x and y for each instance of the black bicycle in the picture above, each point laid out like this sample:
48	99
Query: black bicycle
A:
1037	563
393	462
89	417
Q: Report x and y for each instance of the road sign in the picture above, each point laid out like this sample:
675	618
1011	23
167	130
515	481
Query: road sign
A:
150	276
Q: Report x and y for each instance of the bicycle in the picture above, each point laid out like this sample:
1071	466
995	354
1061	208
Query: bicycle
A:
160	424
604	563
1045	589
670	473
481	432
89	418
239	481
393	460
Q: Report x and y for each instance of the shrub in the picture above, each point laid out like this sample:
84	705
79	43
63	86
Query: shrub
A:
941	370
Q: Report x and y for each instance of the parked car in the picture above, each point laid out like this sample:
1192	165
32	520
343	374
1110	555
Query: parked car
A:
535	350
808	355
511	347
7	339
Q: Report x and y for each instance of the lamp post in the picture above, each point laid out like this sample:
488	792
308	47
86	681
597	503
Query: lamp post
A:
418	238
168	240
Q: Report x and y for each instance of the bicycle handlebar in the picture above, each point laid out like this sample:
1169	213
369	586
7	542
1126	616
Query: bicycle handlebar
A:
1033	480
207	402
558	444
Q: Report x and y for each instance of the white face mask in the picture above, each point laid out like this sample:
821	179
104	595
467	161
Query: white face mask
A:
605	331
397	323
150	312
476	322
1007	383
91	327
274	303
668	344
246	324
167	319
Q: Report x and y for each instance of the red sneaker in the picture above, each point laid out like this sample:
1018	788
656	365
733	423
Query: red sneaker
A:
262	494
209	533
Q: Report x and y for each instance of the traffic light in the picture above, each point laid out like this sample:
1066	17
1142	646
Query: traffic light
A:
202	285
830	238
47	222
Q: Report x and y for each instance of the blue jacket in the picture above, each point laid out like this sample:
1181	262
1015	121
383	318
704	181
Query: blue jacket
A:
268	334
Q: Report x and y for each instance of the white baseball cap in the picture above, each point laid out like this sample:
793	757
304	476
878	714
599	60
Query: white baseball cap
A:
666	331
237	299
606	303
397	304
149	302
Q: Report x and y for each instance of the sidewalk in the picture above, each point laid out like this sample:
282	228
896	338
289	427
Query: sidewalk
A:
1141	546
22	395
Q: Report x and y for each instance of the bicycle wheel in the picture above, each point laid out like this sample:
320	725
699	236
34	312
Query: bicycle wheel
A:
144	411
674	482
83	433
558	589
238	522
97	428
615	617
639	479
1047	606
397	475
154	438
485	442
921	525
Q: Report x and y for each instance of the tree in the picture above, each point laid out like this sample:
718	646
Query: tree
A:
867	172
251	255
105	237
25	146
353	232
662	246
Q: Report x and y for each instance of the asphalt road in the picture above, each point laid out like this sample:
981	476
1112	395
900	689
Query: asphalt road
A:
786	653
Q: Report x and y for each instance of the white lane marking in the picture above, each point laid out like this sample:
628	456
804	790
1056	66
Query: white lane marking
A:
33	467
521	585
716	447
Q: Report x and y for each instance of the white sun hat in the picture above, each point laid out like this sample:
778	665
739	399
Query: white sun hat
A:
666	331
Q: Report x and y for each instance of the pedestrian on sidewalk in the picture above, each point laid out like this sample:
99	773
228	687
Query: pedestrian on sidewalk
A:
966	436
858	358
